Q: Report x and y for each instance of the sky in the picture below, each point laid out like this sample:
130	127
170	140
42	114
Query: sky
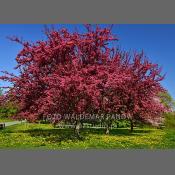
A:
157	41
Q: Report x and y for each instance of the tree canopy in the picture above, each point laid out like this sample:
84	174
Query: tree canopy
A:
82	73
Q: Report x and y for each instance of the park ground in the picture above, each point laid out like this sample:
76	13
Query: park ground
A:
45	136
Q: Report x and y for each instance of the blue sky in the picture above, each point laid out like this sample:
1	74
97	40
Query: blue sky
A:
157	41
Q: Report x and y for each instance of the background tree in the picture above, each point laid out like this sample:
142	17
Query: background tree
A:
169	117
167	100
7	108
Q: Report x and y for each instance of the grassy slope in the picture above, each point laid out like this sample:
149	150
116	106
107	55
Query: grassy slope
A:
44	136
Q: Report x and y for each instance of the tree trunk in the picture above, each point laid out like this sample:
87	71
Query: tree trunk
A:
108	125
117	125
54	125
132	125
107	130
77	128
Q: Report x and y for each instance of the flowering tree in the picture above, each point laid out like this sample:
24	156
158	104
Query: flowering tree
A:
141	93
75	73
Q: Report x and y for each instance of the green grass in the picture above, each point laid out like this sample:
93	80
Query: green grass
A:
44	136
5	120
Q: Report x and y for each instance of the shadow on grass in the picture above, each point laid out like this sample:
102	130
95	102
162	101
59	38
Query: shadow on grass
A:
57	135
117	132
54	135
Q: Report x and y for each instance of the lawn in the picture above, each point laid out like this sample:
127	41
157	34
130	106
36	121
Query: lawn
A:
44	136
2	120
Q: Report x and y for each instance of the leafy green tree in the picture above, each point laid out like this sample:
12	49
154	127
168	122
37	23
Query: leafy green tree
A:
167	100
7	109
170	120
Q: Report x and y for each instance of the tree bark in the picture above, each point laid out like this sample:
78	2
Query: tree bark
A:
107	130
77	128
132	125
108	125
117	125
54	124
